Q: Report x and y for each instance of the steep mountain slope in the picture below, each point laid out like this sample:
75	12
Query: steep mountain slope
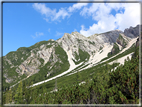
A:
42	59
132	32
47	60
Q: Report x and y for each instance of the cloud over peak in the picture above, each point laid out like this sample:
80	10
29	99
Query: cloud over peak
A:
77	6
105	16
50	14
106	21
53	15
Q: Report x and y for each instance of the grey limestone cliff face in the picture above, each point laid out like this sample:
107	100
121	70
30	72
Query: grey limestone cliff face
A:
76	41
92	44
123	40
38	57
107	37
133	32
31	65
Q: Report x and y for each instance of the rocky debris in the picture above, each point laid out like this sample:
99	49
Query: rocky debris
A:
45	54
113	51
42	46
123	40
48	74
8	61
32	54
5	75
137	42
9	80
29	66
132	32
120	47
108	37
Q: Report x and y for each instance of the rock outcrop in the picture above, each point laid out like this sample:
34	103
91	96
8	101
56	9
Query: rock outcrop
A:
138	41
123	40
107	37
115	49
132	32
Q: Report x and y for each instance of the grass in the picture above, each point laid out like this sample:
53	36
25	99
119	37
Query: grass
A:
101	48
82	56
68	80
116	50
123	40
93	43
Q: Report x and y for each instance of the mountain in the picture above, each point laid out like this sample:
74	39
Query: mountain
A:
47	59
132	32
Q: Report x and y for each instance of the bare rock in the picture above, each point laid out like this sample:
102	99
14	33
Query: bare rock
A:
132	32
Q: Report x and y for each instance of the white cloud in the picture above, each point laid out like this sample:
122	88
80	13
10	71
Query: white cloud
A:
53	15
62	13
131	16
47	20
50	14
43	9
76	6
101	13
37	34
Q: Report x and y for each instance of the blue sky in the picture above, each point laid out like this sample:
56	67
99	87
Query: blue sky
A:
25	24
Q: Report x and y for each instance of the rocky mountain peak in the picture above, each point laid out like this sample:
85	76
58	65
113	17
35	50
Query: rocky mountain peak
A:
73	35
51	40
78	35
107	37
132	32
